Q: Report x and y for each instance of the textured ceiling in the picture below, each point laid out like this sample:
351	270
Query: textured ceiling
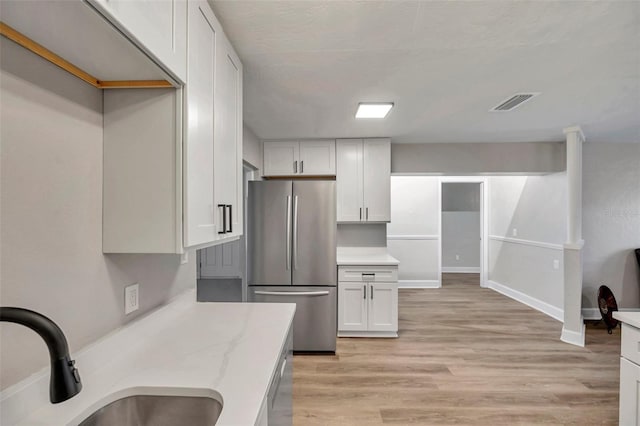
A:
444	64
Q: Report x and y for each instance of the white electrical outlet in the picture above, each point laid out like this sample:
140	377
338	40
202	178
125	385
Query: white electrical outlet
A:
184	258
131	298
457	257
514	232
556	264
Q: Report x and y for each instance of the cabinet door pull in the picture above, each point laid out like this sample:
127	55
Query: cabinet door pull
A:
360	213
371	292
224	219
295	166
367	210
301	166
365	291
230	217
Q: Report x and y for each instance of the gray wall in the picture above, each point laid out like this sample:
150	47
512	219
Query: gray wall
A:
525	158
536	207
611	221
251	148
51	217
460	225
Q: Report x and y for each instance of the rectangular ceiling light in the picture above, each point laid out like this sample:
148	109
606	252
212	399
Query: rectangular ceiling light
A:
373	110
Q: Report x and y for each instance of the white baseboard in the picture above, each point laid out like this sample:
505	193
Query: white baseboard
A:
544	307
591	313
461	269
573	337
594	313
419	284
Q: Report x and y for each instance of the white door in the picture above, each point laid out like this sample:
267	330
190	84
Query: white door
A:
318	158
281	158
629	393
228	159
158	27
221	261
349	180
377	180
352	306
383	307
200	212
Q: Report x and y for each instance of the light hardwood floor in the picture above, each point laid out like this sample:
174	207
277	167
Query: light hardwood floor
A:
465	355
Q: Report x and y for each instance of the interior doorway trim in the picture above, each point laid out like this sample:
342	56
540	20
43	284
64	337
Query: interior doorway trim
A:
484	223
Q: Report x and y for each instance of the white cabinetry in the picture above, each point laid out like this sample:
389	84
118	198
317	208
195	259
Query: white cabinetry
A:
367	306
228	140
149	161
363	180
630	376
200	212
300	158
159	28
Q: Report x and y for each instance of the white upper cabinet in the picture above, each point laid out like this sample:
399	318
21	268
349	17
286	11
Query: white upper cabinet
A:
363	179
200	212
159	28
318	158
300	158
377	180
349	180
173	157
281	158
228	140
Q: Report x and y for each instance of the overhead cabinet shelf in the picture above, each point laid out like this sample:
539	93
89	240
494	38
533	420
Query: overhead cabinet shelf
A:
173	158
172	176
93	46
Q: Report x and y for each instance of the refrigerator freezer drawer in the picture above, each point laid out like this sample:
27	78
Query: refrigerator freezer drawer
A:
315	321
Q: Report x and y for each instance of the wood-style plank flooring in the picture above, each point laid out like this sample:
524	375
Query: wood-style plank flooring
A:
465	355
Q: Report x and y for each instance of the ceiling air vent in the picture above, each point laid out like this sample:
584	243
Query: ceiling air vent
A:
513	102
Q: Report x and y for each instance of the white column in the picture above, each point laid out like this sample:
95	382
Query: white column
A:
573	328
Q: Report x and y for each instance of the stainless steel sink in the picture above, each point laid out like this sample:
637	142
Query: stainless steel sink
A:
143	410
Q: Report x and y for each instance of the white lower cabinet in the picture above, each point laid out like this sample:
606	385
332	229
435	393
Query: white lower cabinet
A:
367	307
630	377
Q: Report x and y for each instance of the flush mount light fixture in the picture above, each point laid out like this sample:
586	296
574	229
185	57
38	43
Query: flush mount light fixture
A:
373	109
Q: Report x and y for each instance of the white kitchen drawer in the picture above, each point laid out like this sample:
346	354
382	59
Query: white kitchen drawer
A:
631	343
368	274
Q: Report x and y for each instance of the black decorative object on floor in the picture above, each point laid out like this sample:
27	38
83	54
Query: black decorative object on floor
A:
607	304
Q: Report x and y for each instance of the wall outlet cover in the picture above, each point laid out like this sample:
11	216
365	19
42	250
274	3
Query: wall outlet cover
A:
514	232
131	298
556	264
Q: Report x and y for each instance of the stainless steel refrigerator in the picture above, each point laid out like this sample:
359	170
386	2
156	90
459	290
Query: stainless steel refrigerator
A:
291	235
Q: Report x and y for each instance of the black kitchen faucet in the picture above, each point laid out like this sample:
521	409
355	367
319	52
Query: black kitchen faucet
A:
65	381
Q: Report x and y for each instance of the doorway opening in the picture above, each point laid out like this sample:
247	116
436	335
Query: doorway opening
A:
462	231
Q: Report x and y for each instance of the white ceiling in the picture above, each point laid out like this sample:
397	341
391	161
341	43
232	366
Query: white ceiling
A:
444	64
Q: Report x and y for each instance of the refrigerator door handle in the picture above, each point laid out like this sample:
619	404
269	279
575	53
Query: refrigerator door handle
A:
292	293
295	232
288	232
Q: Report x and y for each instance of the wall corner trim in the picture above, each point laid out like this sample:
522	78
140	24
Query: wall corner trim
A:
574	246
575	129
573	337
537	304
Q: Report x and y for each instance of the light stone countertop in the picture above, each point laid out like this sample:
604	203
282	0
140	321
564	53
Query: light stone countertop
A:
628	317
354	256
227	350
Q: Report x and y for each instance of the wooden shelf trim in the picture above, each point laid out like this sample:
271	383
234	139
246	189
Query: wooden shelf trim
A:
43	52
